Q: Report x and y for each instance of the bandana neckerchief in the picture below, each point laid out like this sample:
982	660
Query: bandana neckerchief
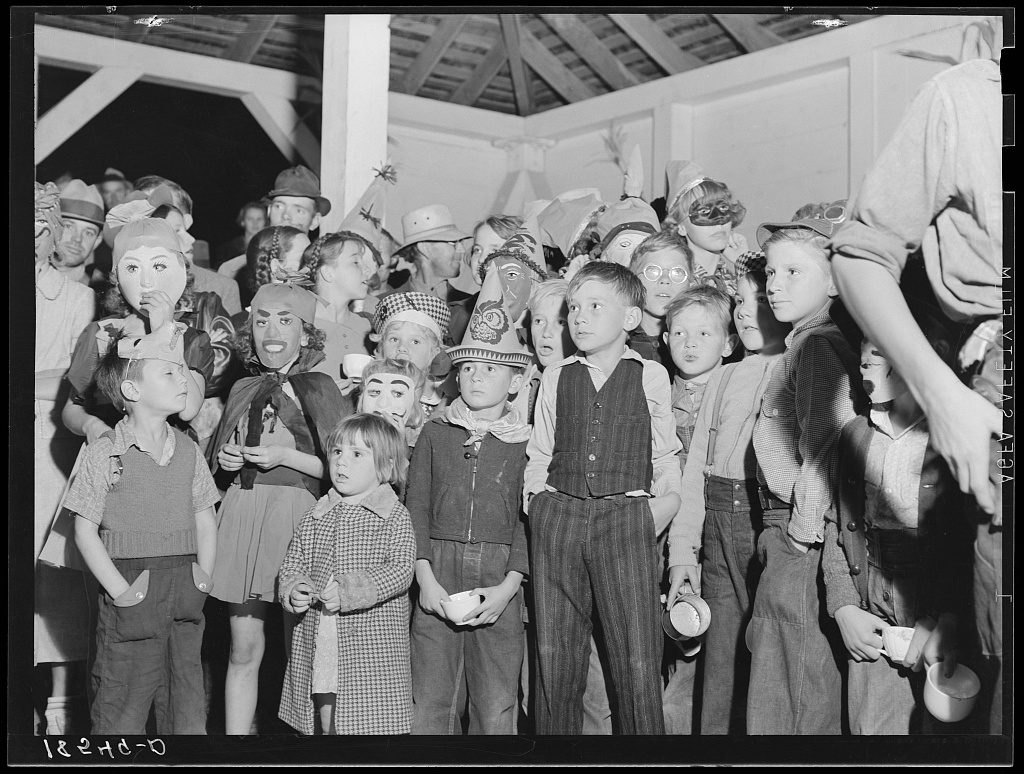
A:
509	429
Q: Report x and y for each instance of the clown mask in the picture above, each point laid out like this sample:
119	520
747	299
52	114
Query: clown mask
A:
277	334
620	249
881	382
516	281
144	269
392	396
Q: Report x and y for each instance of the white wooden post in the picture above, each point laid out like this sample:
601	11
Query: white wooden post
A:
673	139
861	124
354	134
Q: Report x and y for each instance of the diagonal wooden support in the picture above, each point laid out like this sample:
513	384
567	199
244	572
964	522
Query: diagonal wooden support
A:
591	50
285	128
432	52
550	68
520	81
748	34
249	40
80	106
655	43
471	89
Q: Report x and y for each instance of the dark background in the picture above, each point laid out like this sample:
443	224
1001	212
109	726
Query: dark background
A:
210	145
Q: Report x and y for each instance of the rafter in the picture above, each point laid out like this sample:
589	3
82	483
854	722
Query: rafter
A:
655	43
249	40
510	31
550	68
591	50
132	32
432	52
471	89
748	34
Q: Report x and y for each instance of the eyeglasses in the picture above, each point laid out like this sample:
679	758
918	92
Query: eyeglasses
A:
677	275
713	214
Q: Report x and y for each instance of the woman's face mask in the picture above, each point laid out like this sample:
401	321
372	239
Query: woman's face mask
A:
145	269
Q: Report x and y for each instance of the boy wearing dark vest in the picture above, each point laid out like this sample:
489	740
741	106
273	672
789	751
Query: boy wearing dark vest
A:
603	445
145	527
897	549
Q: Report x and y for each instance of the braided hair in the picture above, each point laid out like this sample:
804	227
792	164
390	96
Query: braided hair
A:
269	244
326	249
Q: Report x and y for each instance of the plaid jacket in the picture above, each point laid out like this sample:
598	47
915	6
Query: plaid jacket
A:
369	548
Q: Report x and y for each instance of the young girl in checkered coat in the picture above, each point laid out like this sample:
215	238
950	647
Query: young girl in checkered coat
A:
347	572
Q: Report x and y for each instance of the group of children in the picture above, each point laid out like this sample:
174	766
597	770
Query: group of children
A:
673	394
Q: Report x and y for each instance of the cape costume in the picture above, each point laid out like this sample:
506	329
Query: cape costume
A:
322	407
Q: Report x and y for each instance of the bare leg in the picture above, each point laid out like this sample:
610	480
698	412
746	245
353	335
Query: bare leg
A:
241	685
324	704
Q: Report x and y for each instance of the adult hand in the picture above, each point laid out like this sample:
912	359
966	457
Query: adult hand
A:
158	307
301	597
230	457
677	576
265	457
961	425
860	630
799	545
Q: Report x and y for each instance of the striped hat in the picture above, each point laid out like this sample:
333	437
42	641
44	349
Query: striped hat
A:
421	308
491	334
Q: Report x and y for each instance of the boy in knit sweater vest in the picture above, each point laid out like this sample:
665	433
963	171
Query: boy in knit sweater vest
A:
603	444
145	526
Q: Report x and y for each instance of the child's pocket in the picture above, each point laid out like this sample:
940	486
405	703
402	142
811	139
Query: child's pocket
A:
197	585
135	615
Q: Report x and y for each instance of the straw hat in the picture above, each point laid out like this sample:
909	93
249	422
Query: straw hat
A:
433	223
79	201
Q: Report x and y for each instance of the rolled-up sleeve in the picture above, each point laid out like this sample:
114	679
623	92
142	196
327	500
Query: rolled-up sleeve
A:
665	444
88	492
204	491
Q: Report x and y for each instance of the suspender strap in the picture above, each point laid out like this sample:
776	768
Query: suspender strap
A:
716	417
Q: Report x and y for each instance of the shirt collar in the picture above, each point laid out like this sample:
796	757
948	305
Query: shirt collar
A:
124	439
628	354
881	422
821	318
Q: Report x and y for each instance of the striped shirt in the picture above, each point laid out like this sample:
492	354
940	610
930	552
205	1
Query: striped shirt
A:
808	400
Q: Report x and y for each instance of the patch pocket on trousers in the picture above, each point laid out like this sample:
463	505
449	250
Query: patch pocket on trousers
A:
134	614
782	591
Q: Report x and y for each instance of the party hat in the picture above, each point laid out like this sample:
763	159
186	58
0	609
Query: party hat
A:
366	218
491	334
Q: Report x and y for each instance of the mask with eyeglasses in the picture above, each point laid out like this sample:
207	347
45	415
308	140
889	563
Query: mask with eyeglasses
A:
677	275
715	213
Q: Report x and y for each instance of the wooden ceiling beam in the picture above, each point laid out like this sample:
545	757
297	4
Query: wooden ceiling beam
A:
591	50
471	89
432	52
655	43
249	40
132	32
747	32
510	31
552	70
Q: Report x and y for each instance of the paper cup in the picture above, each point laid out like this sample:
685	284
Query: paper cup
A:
353	364
457	605
896	642
951	699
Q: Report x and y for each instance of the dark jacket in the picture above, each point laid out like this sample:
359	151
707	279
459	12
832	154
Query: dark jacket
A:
456	492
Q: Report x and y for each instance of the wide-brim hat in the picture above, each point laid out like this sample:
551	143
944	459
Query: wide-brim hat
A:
79	201
421	308
683	177
300	181
562	222
491	334
366	219
433	223
824	227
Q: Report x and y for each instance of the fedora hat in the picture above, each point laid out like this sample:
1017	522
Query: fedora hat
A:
433	223
79	201
300	181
